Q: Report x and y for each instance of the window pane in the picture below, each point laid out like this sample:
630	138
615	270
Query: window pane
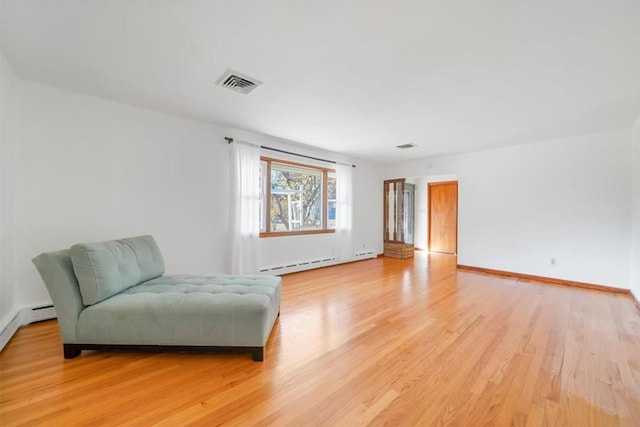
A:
296	198
331	200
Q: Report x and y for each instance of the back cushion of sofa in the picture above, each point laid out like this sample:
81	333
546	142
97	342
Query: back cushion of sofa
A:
104	269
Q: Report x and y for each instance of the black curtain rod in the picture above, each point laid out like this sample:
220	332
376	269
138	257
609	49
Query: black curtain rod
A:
230	140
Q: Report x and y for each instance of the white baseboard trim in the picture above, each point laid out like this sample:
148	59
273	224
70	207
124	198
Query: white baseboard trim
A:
24	317
9	330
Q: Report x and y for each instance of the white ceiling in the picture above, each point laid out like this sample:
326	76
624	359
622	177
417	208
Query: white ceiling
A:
356	77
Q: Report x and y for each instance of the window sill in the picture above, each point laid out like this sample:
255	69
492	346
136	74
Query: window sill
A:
295	233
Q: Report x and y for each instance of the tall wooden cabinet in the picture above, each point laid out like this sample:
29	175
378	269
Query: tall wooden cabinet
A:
398	218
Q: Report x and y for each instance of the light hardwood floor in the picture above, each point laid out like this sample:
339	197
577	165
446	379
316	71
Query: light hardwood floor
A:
379	342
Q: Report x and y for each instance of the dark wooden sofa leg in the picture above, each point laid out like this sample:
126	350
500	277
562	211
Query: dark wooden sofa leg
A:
71	351
258	354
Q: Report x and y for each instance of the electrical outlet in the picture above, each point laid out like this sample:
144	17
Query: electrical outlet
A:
553	261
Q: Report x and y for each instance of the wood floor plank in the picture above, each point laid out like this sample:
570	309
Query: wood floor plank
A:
377	342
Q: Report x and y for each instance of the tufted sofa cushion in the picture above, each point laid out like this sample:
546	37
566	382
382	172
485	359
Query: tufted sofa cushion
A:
104	269
186	310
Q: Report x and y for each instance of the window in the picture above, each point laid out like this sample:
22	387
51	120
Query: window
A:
296	198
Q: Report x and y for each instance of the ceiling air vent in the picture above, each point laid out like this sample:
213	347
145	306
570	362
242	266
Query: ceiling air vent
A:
238	82
405	146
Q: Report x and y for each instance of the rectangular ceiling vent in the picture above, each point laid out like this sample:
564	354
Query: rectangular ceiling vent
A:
238	82
405	146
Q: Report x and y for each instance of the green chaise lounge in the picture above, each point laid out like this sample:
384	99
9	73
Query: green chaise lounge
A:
113	296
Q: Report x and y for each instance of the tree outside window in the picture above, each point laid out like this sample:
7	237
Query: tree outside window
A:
296	198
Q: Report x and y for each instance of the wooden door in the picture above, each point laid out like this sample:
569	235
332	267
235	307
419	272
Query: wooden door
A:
443	217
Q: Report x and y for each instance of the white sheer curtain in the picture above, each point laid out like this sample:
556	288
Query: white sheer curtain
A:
344	216
245	207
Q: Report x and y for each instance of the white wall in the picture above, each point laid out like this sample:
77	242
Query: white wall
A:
8	303
367	208
635	254
88	169
520	206
421	214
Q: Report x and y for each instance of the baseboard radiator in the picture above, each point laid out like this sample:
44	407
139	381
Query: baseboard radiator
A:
23	318
317	263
